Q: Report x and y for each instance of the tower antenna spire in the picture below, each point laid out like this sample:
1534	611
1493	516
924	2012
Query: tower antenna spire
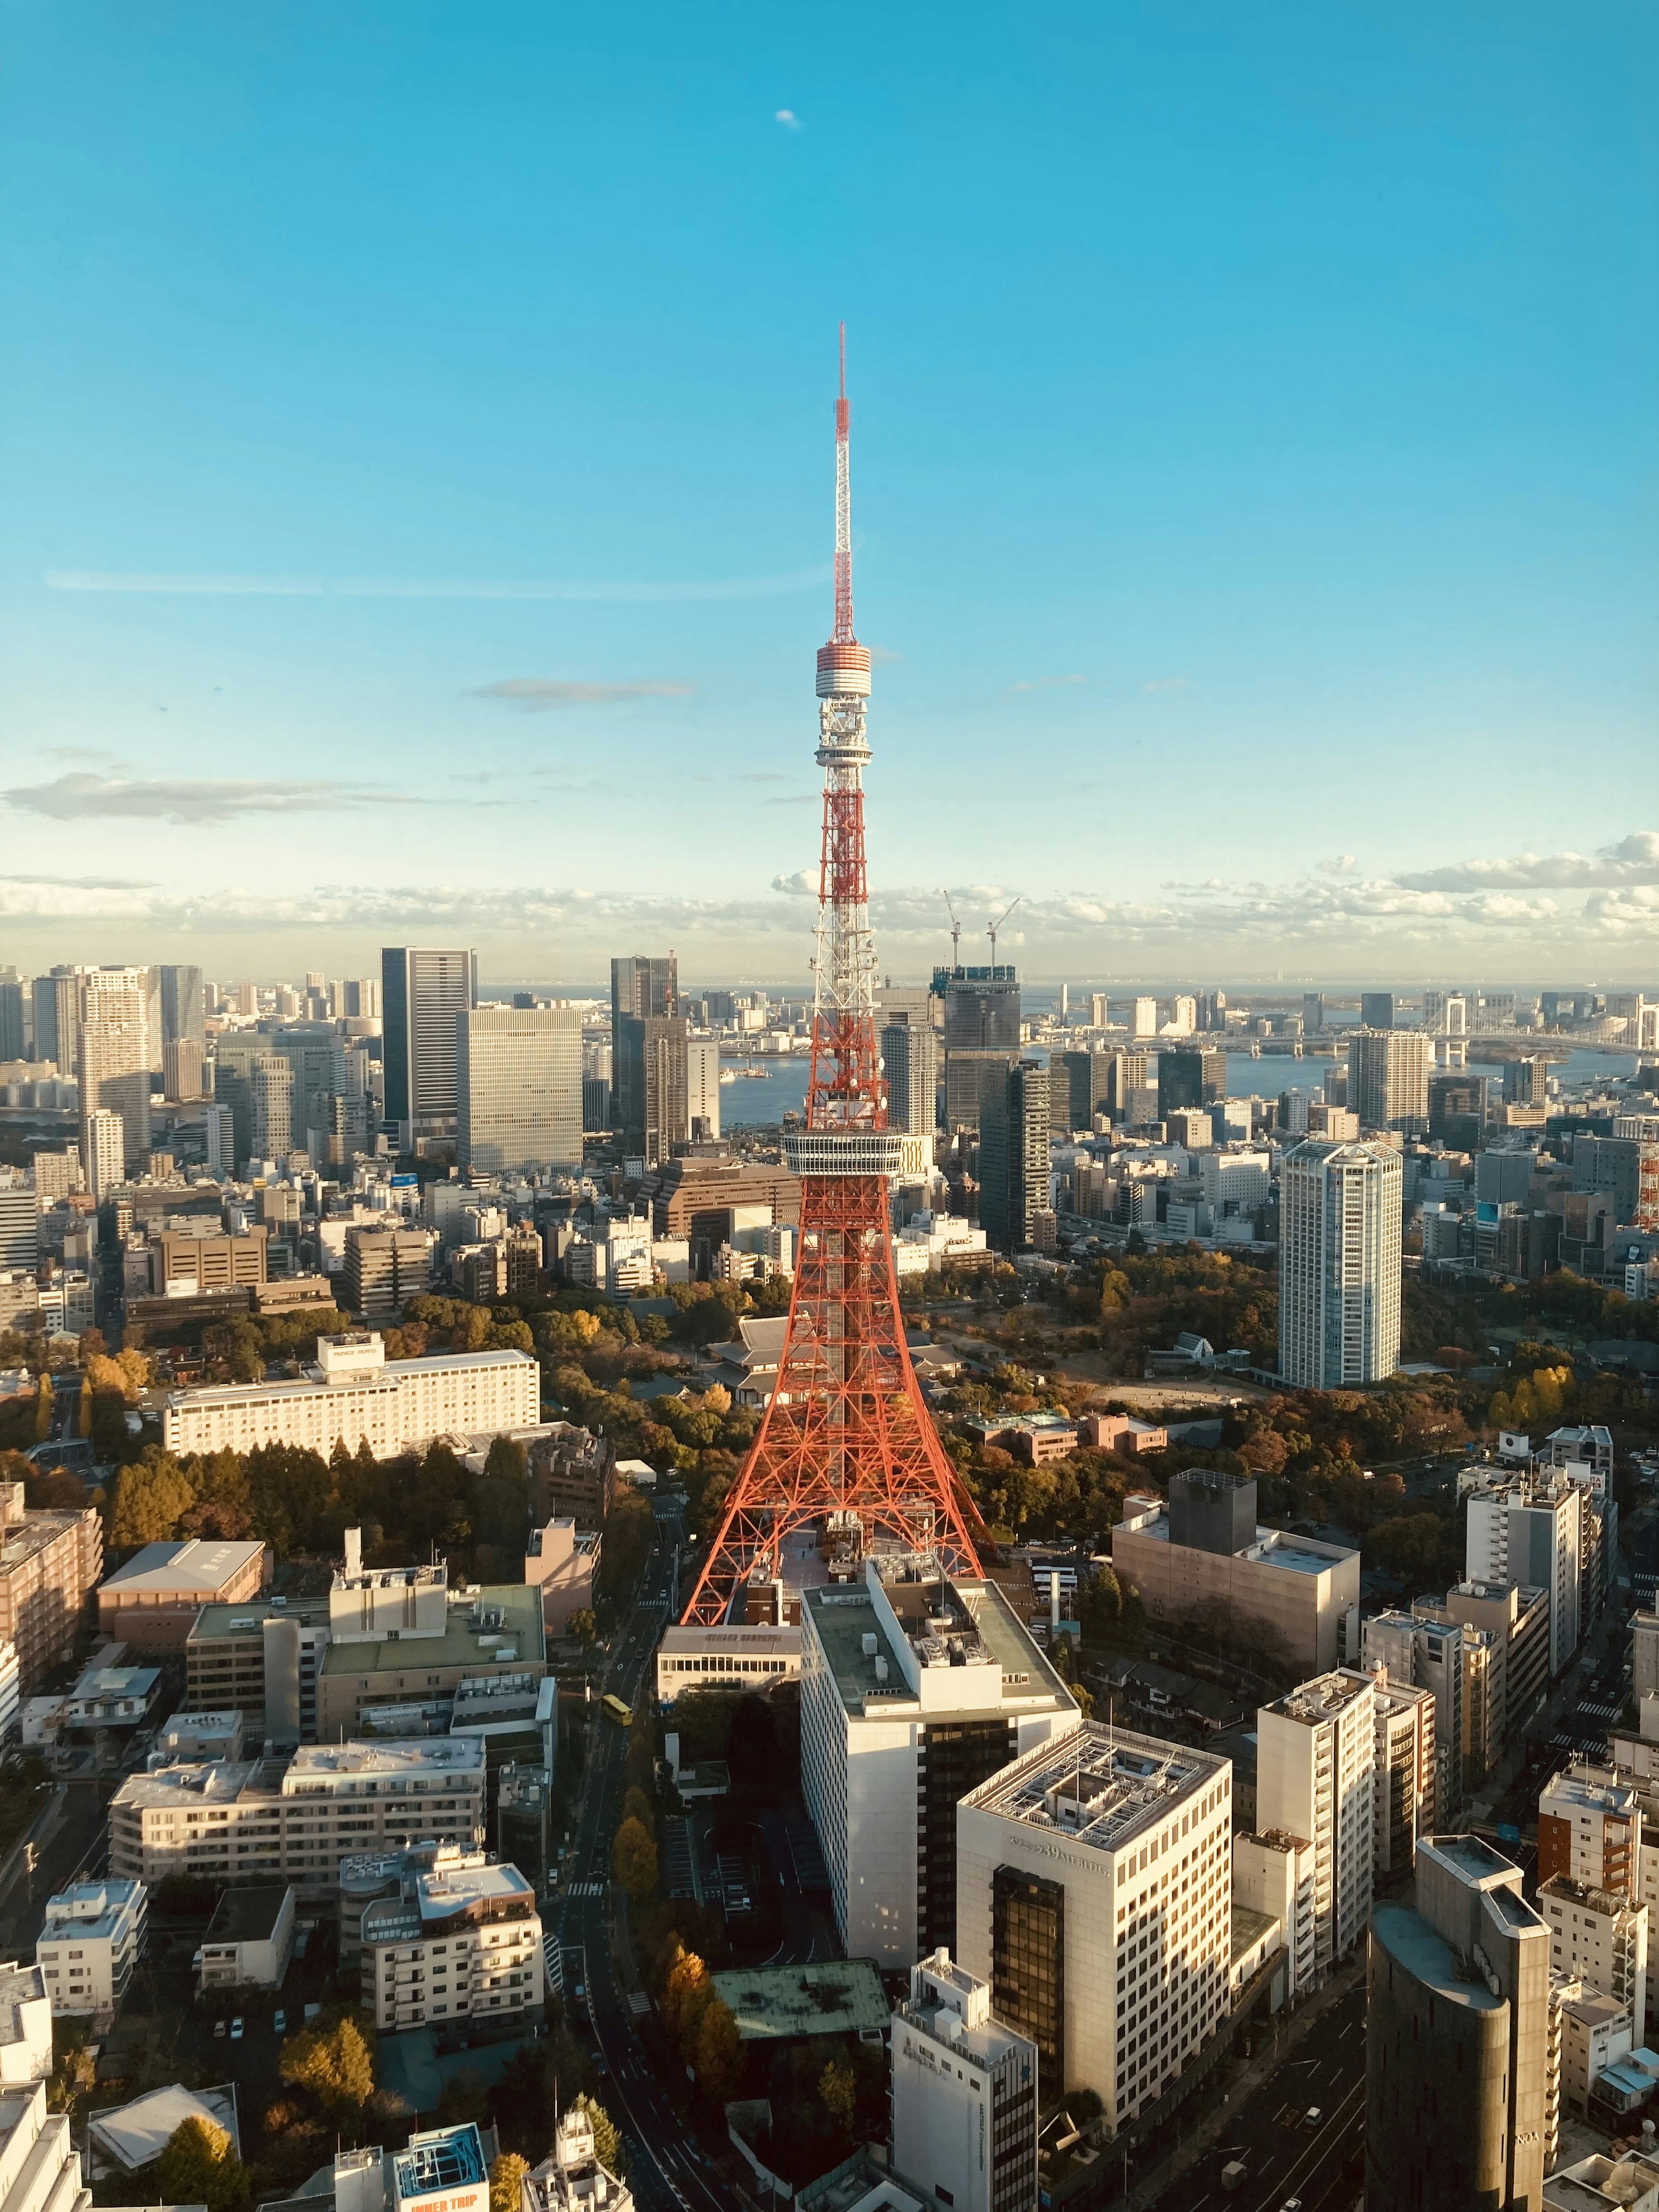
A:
847	1444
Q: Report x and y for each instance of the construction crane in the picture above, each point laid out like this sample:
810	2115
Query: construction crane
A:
991	932
956	930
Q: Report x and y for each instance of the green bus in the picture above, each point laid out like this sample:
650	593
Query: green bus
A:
615	1710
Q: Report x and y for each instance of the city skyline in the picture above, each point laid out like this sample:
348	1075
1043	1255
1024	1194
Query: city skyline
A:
1244	452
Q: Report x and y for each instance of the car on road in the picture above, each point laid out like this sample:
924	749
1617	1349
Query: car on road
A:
236	2031
219	2027
1312	2117
1291	2204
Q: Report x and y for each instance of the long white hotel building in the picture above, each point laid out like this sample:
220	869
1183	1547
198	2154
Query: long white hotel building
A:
353	1396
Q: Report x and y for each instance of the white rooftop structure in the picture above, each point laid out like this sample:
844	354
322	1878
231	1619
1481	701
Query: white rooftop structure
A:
133	2136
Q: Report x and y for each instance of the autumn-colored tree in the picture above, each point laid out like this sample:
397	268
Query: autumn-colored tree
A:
199	2166
506	2180
840	2092
636	1806
633	1858
331	2056
718	2064
584	1626
43	1409
686	1990
607	2143
152	1496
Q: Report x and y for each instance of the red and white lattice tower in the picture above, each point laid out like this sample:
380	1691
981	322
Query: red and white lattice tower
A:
846	1433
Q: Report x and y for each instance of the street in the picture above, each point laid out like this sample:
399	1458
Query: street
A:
1320	2167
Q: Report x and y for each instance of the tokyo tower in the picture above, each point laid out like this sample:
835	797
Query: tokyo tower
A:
846	1439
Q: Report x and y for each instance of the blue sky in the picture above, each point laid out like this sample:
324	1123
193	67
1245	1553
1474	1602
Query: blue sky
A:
416	466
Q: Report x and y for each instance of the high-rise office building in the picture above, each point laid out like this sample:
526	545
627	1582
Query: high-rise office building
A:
649	1083
1526	1082
912	1692
1389	1079
702	1088
19	1221
423	992
1313	1013
1079	1087
184	1006
1457	1108
909	1053
385	1268
645	984
520	1087
56	1039
1190	1078
1094	1882
1013	1156
1340	1216
1317	1777
271	1081
1627	1169
112	1033
1376	1010
181	1069
1456	2059
981	1036
13	991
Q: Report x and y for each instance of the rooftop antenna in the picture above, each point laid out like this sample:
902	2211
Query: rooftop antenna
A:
991	932
956	932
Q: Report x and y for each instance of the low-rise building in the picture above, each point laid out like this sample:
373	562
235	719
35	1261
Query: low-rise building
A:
725	1657
458	1943
442	2170
1121	1433
1274	1877
114	1698
396	1638
353	1396
25	2026
1291	1591
293	1818
92	1940
125	2139
249	1940
1595	2035
964	2094
152	1602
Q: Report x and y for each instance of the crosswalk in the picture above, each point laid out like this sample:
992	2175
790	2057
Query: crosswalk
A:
553	1961
585	1889
1588	1712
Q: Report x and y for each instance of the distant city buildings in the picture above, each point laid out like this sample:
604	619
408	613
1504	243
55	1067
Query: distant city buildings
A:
519	1088
423	991
1339	1265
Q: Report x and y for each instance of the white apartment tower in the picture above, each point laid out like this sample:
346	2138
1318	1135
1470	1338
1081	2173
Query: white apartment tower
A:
913	1690
1389	1078
1317	1777
1338	1267
113	1015
964	2094
1094	1892
1529	1530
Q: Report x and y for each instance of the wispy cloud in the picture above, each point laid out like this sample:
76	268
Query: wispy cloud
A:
192	800
1166	684
788	118
794	799
540	695
154	583
1045	683
1339	863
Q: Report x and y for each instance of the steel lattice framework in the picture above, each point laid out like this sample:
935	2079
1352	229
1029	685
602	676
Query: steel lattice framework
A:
846	1433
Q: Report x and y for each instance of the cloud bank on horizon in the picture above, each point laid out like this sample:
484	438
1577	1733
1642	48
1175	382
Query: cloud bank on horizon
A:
1527	914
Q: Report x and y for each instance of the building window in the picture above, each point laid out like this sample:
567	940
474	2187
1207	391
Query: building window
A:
1028	1960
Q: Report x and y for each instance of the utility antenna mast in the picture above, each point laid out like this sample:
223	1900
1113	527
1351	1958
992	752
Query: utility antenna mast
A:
846	1442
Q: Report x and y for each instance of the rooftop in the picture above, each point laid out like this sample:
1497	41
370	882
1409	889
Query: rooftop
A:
91	1908
1099	1786
1247	1929
133	2135
966	1624
1304	1555
1324	1698
465	1642
372	1379
19	1986
249	1618
1409	1940
37	1531
194	1565
442	2159
247	1915
761	1642
771	2004
479	1891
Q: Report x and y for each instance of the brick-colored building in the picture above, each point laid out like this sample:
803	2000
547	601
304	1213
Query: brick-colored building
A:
50	1564
154	1600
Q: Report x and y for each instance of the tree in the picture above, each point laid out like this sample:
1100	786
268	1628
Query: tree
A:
506	2178
584	1626
198	2166
332	2056
719	2063
839	2091
152	1496
43	1409
1412	1547
636	1806
686	1990
607	2143
83	1409
633	1858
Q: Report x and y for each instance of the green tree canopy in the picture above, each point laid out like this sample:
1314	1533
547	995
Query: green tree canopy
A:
633	1858
152	1496
505	2179
607	2143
